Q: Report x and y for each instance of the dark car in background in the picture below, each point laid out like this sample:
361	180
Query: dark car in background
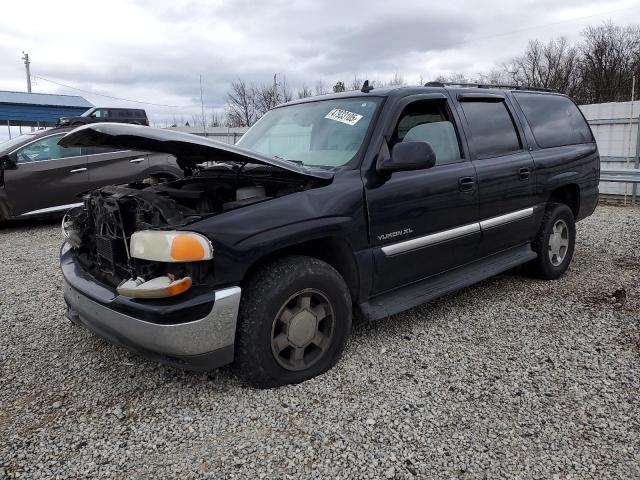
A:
135	116
38	176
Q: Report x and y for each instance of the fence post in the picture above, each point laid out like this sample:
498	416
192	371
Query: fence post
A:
636	162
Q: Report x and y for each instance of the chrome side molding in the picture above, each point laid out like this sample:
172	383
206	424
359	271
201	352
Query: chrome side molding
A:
431	239
457	232
57	208
507	218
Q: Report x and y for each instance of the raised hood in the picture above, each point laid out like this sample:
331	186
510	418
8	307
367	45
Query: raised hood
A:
188	149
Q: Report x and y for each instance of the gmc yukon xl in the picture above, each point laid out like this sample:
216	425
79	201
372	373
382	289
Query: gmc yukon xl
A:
364	203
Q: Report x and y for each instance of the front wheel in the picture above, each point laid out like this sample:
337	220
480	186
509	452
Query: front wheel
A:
295	318
555	243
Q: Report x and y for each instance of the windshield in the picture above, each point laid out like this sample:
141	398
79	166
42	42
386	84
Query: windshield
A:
326	133
88	112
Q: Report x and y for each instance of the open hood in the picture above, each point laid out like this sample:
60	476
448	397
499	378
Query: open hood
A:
189	149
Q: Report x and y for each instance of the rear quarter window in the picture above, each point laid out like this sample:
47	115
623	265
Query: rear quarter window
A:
554	119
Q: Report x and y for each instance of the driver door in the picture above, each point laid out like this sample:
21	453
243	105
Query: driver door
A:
424	222
47	178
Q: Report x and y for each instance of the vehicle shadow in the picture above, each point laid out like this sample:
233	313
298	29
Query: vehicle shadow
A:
30	222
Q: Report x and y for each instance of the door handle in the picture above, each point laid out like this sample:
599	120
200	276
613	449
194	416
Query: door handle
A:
78	170
466	184
524	173
136	160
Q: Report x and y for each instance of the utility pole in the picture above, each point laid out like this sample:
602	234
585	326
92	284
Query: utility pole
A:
27	63
204	121
275	90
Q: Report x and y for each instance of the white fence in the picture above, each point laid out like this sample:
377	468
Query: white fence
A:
615	126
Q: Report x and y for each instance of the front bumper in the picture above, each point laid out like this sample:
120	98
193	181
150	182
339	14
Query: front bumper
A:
200	343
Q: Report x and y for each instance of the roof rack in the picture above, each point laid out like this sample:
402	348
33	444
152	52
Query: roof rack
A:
486	85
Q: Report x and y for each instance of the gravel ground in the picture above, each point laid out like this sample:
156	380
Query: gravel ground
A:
511	378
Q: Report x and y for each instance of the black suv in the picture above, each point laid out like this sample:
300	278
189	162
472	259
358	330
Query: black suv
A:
135	116
40	177
370	202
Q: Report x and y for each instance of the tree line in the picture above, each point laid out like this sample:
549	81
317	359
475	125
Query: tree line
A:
598	68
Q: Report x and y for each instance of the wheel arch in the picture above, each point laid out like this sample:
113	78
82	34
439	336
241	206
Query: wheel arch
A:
335	251
568	194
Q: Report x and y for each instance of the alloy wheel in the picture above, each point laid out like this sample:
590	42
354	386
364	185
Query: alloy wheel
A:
302	330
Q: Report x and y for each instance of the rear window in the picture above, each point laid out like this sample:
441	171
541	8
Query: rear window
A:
492	130
555	120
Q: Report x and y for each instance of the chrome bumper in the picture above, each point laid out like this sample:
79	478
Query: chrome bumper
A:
199	344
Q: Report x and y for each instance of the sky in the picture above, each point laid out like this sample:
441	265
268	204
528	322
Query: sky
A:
154	51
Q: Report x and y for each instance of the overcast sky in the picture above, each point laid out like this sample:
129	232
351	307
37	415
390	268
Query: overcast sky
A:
154	51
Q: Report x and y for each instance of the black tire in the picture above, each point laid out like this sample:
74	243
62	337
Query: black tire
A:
547	266
270	292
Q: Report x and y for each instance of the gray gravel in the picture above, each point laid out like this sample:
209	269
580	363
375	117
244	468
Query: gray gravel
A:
511	378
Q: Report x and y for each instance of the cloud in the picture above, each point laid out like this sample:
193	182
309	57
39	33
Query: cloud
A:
154	50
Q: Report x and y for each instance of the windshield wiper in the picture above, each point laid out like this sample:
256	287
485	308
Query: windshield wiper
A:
297	162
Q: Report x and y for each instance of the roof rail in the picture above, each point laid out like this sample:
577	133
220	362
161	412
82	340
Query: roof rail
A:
487	85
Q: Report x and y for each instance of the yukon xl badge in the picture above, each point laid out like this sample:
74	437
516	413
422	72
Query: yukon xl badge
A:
397	233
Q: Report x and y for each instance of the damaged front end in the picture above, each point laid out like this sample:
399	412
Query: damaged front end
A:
134	237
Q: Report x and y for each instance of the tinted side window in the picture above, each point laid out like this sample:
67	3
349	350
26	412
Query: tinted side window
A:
555	120
492	130
45	149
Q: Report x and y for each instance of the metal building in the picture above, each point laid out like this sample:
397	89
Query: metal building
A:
21	109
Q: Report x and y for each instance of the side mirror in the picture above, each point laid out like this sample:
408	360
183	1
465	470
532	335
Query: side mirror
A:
7	163
409	156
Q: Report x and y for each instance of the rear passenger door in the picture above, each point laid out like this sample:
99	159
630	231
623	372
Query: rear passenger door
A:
107	166
505	171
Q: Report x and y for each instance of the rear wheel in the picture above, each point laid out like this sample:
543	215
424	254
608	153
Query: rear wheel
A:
555	243
295	318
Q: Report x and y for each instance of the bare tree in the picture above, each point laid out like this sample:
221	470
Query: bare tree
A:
320	89
495	76
610	58
453	77
284	91
552	65
241	104
356	83
305	92
216	119
397	81
197	120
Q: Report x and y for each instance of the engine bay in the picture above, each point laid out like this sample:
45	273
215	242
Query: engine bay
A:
102	227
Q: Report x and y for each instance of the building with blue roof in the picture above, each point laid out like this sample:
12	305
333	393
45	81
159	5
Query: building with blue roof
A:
38	109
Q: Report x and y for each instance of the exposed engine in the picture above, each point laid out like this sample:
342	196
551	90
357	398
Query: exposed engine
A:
102	228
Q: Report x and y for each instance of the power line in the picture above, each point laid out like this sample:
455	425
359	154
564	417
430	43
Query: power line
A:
108	96
503	34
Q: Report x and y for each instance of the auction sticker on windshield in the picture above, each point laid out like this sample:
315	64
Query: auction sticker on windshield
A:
344	116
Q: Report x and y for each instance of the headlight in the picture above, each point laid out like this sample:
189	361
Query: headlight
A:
171	246
70	229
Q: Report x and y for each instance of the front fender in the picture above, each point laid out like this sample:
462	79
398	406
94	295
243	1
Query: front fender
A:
243	236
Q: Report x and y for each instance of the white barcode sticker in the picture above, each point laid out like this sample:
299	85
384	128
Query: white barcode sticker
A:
344	116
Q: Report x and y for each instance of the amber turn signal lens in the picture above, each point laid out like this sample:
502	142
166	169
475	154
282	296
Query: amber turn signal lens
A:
181	286
186	248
